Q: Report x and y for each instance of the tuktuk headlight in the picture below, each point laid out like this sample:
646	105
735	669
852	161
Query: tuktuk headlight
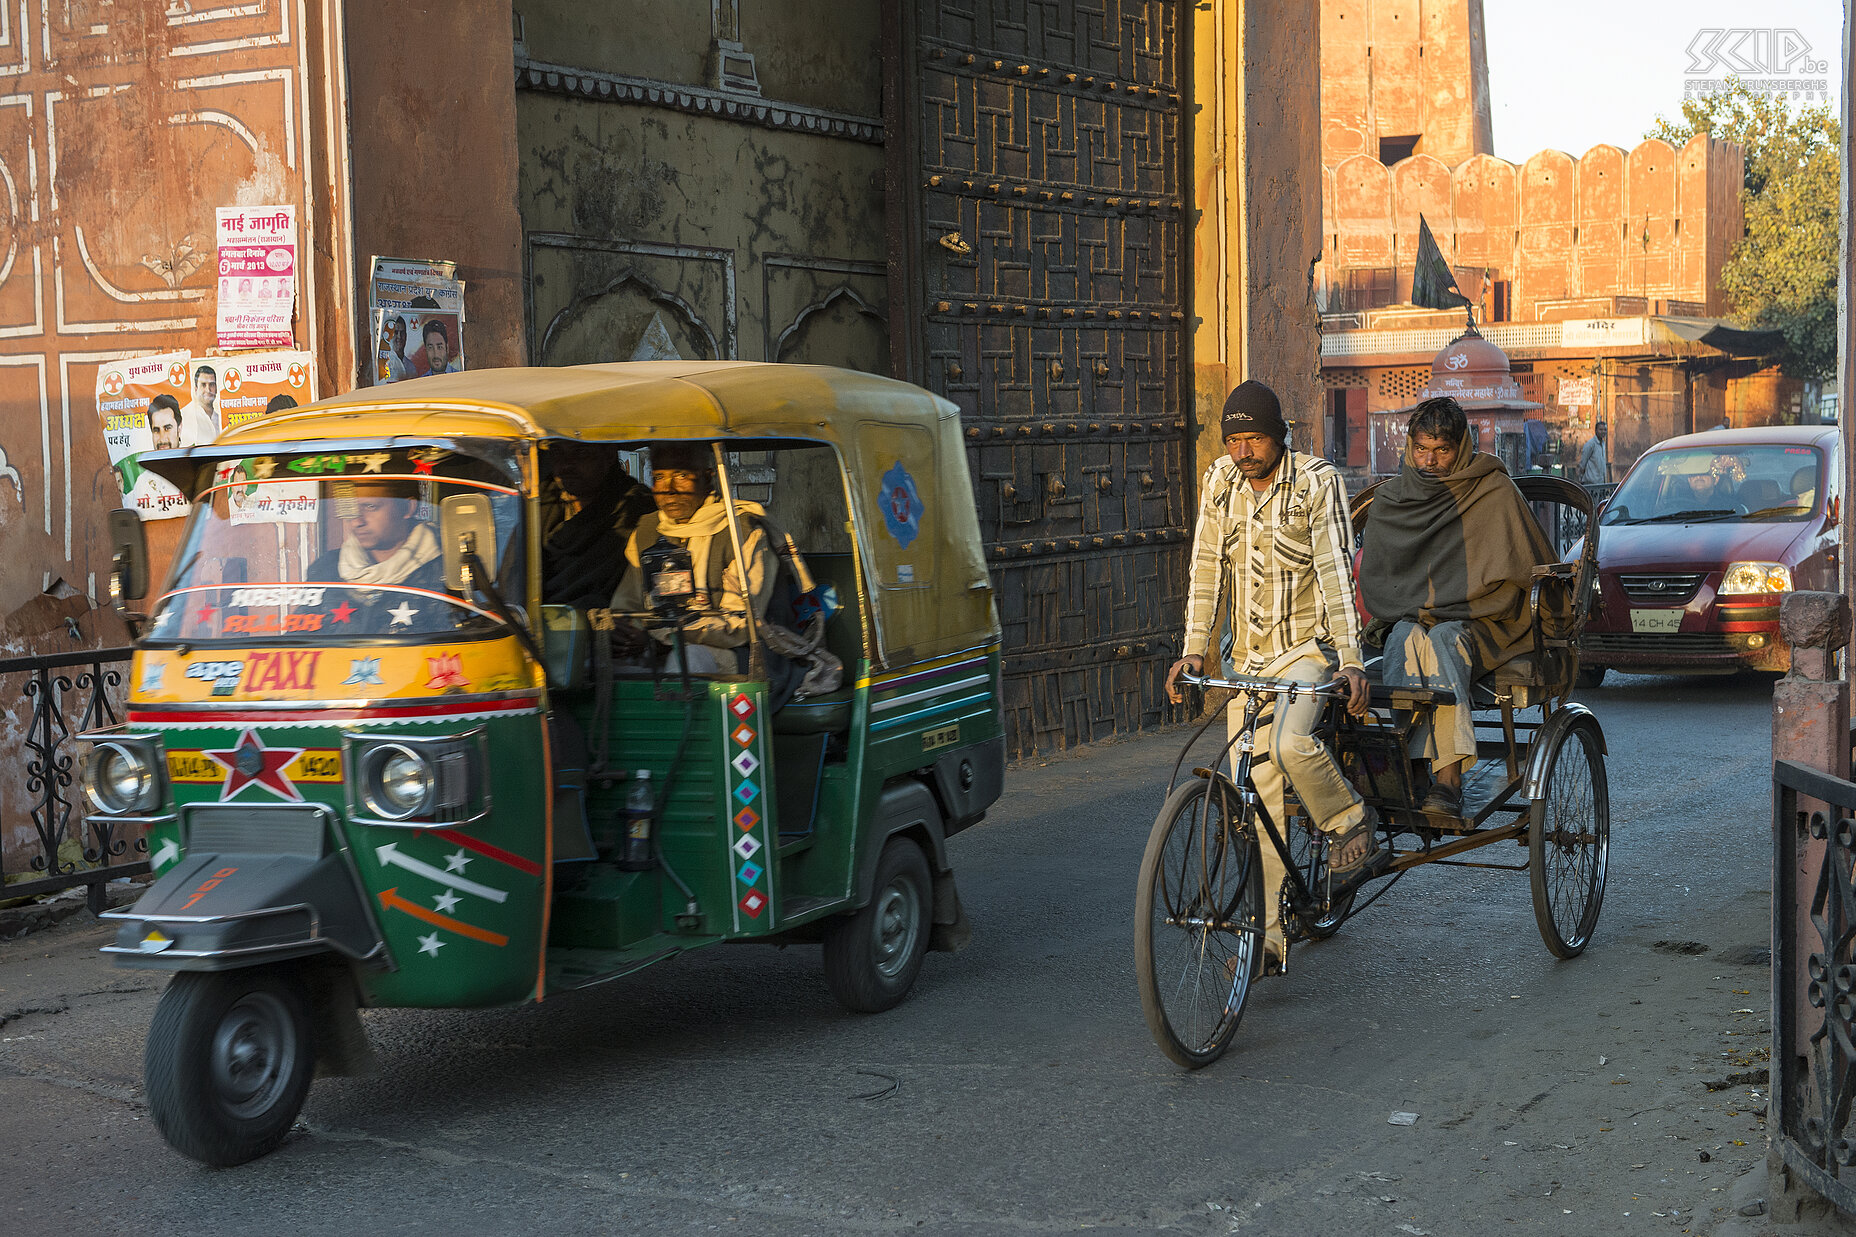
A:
397	781
120	778
1742	579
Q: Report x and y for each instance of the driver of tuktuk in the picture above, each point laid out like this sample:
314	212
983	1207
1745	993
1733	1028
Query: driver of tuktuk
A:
1446	562
385	543
680	563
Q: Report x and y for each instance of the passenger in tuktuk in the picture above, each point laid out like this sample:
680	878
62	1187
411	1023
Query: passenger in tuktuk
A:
1445	567
690	518
385	543
581	562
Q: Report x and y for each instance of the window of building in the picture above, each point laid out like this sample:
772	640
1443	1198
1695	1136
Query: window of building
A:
1368	287
1499	301
1393	149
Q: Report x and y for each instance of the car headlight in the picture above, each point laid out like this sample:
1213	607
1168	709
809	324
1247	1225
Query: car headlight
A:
1744	578
397	781
119	779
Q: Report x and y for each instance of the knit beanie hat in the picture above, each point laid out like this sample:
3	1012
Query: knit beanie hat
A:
1253	409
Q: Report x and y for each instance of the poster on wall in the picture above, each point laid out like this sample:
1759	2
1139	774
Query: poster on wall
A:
417	312
257	276
143	403
256	383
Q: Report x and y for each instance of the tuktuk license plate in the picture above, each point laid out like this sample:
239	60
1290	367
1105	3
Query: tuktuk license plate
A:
1655	622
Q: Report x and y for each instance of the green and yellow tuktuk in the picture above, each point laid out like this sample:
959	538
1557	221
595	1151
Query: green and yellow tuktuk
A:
396	773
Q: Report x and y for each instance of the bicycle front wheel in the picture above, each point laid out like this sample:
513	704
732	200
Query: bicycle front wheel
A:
1198	922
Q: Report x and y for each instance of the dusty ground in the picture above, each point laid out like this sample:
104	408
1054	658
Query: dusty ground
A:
1017	1090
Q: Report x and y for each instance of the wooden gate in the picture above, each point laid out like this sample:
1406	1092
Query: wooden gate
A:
1038	232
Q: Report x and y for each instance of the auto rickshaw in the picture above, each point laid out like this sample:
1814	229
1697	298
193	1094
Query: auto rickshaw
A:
362	787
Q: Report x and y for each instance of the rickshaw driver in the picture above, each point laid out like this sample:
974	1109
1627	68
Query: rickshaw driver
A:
1276	547
715	634
386	544
1449	550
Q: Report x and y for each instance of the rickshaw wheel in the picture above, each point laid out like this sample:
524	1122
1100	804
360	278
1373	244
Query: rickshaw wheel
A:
1198	922
228	1063
1569	842
1311	860
873	955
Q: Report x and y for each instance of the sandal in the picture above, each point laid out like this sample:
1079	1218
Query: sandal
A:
1442	800
1369	858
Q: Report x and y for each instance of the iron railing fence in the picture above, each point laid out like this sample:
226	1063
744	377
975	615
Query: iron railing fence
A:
64	695
1814	977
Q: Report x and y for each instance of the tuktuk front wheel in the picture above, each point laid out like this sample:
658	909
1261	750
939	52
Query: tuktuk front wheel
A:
873	955
228	1063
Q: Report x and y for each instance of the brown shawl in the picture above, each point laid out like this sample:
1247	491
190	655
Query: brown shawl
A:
1420	562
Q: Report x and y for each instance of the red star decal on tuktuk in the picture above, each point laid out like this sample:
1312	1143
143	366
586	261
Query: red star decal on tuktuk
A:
422	467
342	613
250	762
204	615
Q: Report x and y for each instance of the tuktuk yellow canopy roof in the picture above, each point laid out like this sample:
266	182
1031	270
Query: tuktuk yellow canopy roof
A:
618	400
913	508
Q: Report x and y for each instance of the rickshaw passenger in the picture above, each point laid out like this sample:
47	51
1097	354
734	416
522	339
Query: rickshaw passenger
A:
689	511
1272	539
386	543
582	557
1448	555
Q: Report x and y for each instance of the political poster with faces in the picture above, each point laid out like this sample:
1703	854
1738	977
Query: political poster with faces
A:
418	319
140	402
253	384
257	276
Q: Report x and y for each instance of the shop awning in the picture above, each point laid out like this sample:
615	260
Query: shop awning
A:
1722	336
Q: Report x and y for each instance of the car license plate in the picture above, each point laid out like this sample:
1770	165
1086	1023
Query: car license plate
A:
1644	622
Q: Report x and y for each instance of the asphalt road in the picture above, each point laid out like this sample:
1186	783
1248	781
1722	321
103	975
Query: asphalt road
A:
1017	1090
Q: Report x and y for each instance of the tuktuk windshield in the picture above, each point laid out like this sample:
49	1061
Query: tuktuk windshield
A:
1758	482
335	548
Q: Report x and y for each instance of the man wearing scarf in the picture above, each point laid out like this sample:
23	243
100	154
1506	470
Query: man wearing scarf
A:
715	634
579	563
1449	550
1271	550
386	544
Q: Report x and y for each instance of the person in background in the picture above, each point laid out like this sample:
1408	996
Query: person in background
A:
199	420
582	554
438	349
164	422
1594	467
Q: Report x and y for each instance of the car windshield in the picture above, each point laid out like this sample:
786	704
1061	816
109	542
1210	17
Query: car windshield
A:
1756	482
334	548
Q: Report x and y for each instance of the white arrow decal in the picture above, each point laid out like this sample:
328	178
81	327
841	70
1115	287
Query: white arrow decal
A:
390	853
169	852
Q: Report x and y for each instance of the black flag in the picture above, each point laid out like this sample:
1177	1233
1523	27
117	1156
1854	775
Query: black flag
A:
1433	284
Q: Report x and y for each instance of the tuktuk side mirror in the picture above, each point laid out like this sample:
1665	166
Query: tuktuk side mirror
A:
465	526
128	558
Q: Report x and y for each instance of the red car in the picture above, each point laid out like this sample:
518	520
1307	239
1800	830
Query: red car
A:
1700	543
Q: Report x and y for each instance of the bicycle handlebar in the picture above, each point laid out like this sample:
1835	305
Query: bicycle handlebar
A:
1253	683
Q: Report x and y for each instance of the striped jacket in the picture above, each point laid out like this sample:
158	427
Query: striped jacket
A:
1283	564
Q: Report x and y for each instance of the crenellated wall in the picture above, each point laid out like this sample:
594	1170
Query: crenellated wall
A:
1653	222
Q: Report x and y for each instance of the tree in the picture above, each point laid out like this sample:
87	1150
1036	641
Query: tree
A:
1782	274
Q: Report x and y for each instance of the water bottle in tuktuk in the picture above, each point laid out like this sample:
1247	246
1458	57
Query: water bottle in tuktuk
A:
635	846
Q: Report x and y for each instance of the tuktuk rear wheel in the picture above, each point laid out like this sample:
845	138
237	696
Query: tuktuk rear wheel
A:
1569	843
228	1063
1198	922
873	955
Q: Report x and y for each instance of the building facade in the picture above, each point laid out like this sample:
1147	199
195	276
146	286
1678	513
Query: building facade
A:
1598	275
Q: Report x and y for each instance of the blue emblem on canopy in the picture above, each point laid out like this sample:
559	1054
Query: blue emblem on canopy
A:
902	505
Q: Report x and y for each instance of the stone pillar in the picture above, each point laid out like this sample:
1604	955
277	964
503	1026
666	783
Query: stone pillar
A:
1256	170
1810	725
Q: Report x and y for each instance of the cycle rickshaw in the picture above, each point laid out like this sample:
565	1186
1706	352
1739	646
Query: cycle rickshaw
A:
1538	782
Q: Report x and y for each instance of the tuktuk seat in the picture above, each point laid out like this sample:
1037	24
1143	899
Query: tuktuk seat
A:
827	714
